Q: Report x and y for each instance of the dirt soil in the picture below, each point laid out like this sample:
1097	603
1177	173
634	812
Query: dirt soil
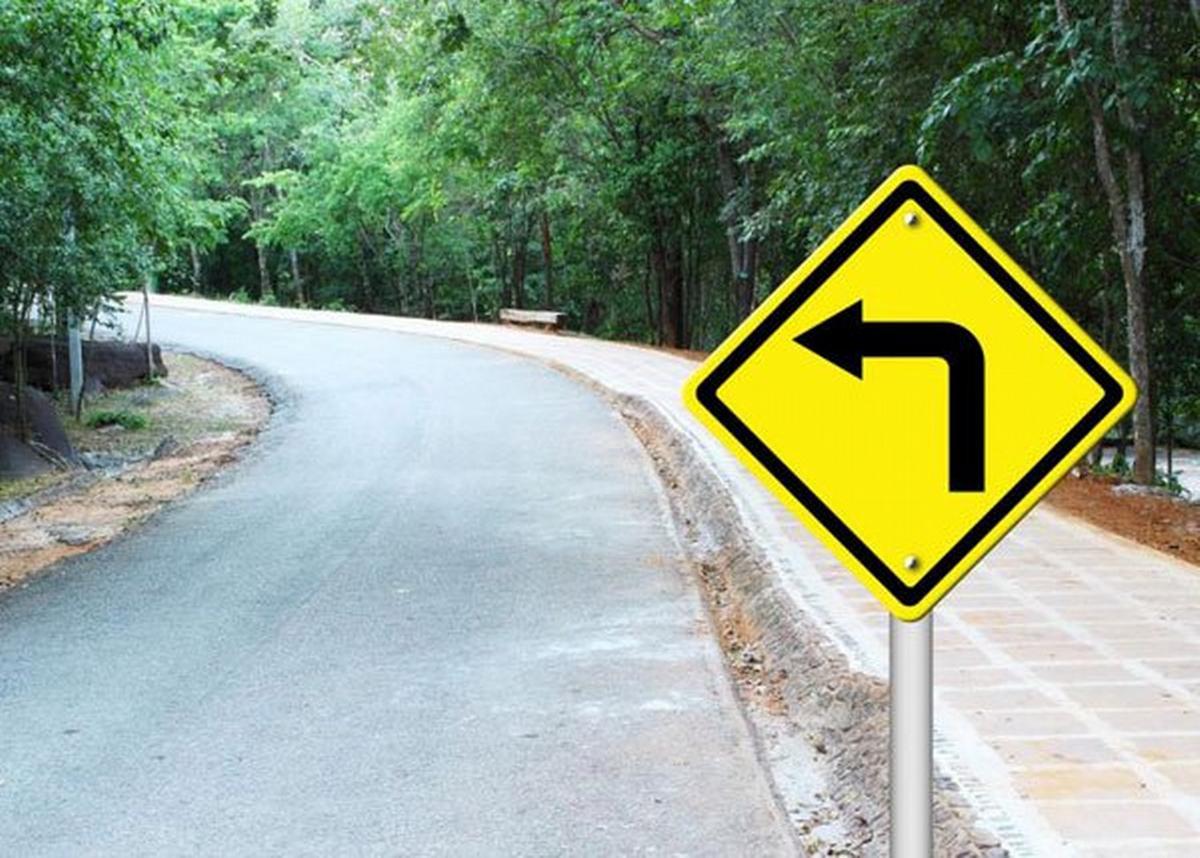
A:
198	420
1160	521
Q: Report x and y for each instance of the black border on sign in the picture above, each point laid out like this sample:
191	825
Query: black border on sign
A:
708	394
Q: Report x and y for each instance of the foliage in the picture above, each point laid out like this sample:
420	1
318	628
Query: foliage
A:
95	170
129	420
652	168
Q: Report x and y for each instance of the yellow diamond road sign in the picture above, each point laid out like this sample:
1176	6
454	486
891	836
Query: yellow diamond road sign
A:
909	393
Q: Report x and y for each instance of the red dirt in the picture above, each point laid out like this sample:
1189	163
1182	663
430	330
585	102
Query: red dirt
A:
1170	525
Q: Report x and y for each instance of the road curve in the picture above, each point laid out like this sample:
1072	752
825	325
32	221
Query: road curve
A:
438	611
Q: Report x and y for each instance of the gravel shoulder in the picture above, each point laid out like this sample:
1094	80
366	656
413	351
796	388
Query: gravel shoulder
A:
196	422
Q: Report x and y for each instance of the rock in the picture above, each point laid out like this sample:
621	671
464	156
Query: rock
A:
102	461
19	459
106	364
73	534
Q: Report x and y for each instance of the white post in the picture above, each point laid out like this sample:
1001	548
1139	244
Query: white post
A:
146	290
75	356
74	344
910	648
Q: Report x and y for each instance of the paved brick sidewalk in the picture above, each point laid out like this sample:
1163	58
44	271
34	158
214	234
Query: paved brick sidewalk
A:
1067	664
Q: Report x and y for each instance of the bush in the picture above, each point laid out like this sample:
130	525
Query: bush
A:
125	419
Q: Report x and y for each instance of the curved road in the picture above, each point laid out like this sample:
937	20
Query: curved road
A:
438	611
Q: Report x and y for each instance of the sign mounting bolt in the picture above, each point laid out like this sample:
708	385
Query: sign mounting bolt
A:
910	218
911	562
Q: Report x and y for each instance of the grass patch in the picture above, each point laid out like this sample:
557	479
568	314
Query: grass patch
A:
198	399
125	419
13	489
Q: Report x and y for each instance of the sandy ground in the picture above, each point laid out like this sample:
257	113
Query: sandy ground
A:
198	420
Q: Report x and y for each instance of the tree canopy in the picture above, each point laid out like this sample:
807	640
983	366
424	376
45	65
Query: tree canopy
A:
651	167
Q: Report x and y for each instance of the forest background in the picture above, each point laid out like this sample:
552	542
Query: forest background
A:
651	168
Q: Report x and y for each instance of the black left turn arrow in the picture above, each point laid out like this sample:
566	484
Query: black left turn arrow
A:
844	339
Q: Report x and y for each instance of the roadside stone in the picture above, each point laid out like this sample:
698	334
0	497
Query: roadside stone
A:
106	364
48	446
73	534
99	461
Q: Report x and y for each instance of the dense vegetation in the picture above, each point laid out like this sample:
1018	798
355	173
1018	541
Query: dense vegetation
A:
652	167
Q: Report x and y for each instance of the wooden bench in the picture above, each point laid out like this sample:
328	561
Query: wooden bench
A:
550	320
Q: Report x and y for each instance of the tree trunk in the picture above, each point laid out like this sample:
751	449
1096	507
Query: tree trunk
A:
1127	211
197	268
364	278
747	276
520	254
297	280
293	255
20	310
365	301
667	259
547	260
20	377
1170	447
1139	366
264	272
258	211
743	251
1133	265
420	271
520	265
500	263
651	316
54	331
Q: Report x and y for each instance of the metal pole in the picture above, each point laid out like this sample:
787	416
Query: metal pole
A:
75	356
910	648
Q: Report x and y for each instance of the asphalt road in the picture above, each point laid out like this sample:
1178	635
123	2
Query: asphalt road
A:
438	611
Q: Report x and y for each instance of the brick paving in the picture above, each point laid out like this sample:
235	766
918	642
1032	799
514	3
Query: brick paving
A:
1067	664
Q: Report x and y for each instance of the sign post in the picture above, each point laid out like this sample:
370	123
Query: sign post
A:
910	772
909	393
75	361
